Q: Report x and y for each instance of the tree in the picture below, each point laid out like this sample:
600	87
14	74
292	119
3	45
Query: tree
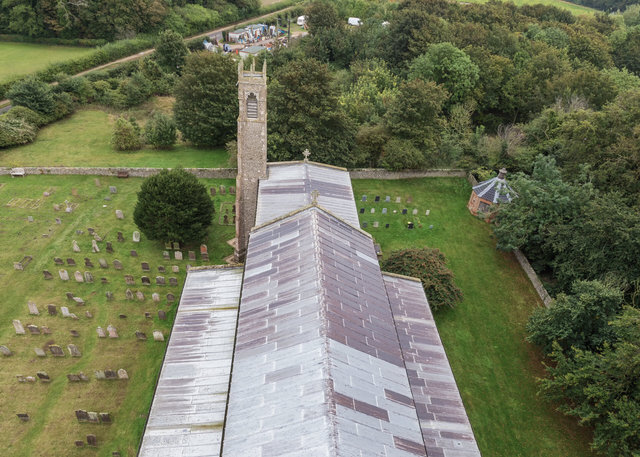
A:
125	136
579	320
160	131
206	107
322	16
173	206
33	94
170	51
449	66
430	266
15	131
400	154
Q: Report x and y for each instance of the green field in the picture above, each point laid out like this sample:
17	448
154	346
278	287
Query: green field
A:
83	140
53	428
484	335
574	8
18	59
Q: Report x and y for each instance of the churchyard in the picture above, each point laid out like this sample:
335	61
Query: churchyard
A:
83	140
80	320
494	366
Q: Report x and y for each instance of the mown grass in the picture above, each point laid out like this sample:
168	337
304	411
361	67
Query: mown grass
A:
573	7
53	428
19	59
83	140
494	366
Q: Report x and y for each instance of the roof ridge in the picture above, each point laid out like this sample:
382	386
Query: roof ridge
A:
311	162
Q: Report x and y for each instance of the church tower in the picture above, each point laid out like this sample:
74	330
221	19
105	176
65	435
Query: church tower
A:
252	150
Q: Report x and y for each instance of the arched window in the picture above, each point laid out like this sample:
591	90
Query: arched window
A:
252	106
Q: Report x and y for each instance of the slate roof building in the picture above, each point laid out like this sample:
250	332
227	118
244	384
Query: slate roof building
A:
490	192
309	349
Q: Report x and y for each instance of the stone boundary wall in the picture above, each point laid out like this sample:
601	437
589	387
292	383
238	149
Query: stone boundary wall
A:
381	173
220	173
533	277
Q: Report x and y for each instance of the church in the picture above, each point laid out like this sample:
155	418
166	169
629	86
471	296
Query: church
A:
308	348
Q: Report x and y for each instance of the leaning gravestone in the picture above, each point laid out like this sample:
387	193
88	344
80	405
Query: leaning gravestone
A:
40	353
71	262
178	255
103	263
136	237
146	281
56	350
43	376
109	247
65	311
5	351
45	330
117	264
155	297
78	276
113	333
101	333
58	221
88	263
58	261
88	277
162	315
94	246
122	374
52	310
141	336
33	308
74	351
17	325
47	274
128	294
63	275
76	248
120	237
70	296
119	214
158	336
113	189
140	296
160	280
33	329
129	280
145	266
173	282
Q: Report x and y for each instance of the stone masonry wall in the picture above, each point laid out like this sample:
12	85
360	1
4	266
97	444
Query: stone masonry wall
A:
381	173
533	277
220	173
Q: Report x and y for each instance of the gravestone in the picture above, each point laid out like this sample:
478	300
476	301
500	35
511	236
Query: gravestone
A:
364	198
361	210
43	376
431	227
134	253
384	210
158	336
162	315
56	350
94	246
40	353
375	224
78	276
52	310
73	377
109	295
23	417
33	308
414	212
147	315
404	211
212	191
99	374
386	225
410	225
409	199
178	255
120	237
223	190
47	274
128	294
426	213
129	280
91	230
175	268
225	219
82	415
76	248
74	351
83	377
398	200
79	300
176	245
122	316
203	249
145	266
58	261
74	333
140	296
160	280
88	314
232	190
70	296
377	199
63	275
105	418
173	281
5	351
365	224
205	257
17	325
88	277
65	311
165	255
171	298
58	221
141	336
93	417
117	264
21	378
161	269
56	207
155	297
101	333
71	262
373	210
113	189
136	237
45	330
119	214
88	263
30	379
96	181
29	218
33	329
109	247
387	198
104	280
192	256
146	281
122	374
113	333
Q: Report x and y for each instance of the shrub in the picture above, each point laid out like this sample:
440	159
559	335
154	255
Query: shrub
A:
24	113
135	89
430	266
33	94
401	154
160	131
16	131
125	136
79	87
173	205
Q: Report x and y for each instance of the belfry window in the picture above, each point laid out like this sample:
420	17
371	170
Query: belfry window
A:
252	106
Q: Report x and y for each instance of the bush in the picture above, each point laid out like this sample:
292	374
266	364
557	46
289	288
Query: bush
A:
430	266
401	154
27	115
16	131
125	136
63	106
33	94
79	87
135	89
160	132
173	206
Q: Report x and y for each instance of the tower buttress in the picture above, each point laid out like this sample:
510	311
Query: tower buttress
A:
252	150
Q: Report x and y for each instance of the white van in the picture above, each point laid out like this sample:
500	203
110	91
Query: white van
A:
301	20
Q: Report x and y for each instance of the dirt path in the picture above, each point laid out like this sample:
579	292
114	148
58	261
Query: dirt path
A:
4	104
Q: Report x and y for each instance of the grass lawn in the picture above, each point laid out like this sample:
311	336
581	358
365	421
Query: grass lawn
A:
17	59
574	8
83	140
53	428
484	336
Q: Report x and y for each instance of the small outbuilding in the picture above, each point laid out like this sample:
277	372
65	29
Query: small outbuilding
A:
490	192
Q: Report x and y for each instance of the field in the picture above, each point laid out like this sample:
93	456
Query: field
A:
574	8
83	140
484	335
53	428
17	59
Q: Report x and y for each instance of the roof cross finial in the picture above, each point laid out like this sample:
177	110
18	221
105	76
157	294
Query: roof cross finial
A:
306	155
314	197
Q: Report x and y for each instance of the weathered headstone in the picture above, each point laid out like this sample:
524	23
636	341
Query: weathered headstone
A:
74	351
78	276
109	247
165	255
99	374
120	237
203	249
33	329
63	275
414	212
43	376
88	277
69	295
110	374
205	257
88	314
73	377
113	189
158	336
71	262
104	280
82	415
173	281
384	210
45	330
58	261
141	336
39	352
145	266
117	264
29	218
83	377
146	281
155	297
119	214
52	310
225	220
101	333
65	311
364	198
365	224
74	333
175	268
5	351
128	294
373	210
94	246
192	256
122	374
103	263
58	221
376	224
175	245
223	189
17	325
171	298
79	300
140	296
134	253
160	280
24	417
212	191
398	200
129	280
56	350
47	274
426	213
113	333
88	263
162	315
136	237
404	211
105	418
96	181
93	417
109	295
21	378
232	190
178	255
161	269
33	308
76	248
409	199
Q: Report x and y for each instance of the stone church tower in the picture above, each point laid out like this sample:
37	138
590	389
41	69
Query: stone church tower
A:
252	150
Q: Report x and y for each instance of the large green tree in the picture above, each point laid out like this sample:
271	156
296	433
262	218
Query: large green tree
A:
170	51
206	106
173	206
